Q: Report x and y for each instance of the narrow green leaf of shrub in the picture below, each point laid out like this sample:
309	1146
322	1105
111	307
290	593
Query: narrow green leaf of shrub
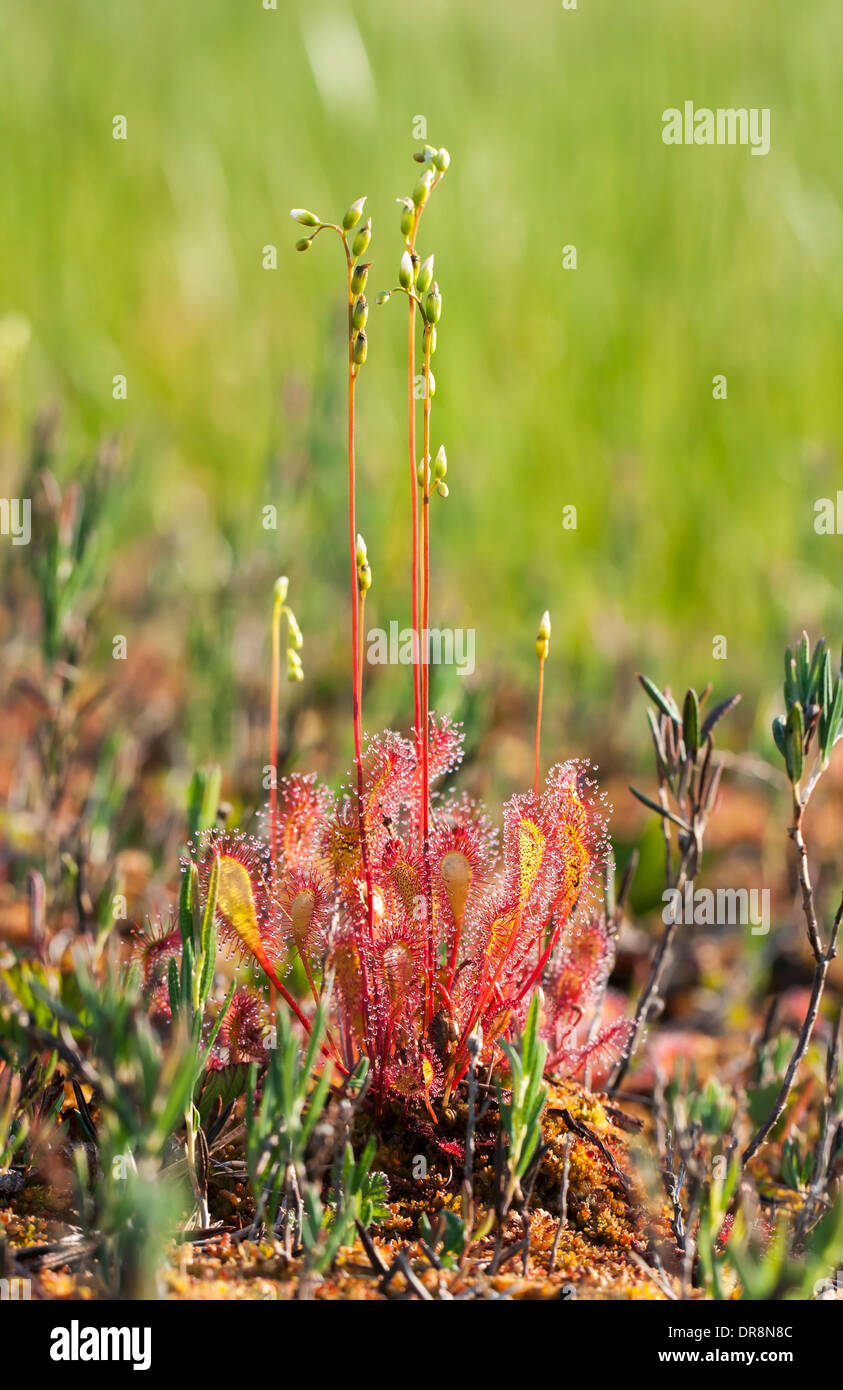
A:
780	735
714	716
803	652
818	679
789	678
658	741
660	810
691	723
830	724
794	746
664	702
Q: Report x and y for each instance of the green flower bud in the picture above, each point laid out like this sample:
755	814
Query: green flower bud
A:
362	239
360	312
441	159
433	304
282	586
360	348
296	639
405	271
294	666
440	464
425	275
432	341
304	243
408	216
364	573
424	155
383	297
431	385
305	218
416	259
421	191
543	637
442	489
359	276
353	214
420	473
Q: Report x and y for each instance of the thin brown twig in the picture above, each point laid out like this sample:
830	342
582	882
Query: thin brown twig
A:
822	961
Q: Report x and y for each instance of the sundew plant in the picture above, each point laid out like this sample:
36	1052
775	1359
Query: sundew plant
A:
416	924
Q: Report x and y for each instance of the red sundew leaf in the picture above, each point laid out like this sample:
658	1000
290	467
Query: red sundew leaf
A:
389	775
153	947
403	876
602	1051
302	817
306	906
579	967
452	1147
399	964
247	915
445	747
242	1029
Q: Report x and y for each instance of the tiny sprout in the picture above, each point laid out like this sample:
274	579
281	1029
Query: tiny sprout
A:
304	218
405	271
360	312
424	155
353	214
383	297
440	464
425	275
543	636
304	243
433	304
360	348
359	276
441	159
408	217
421	192
362	239
364	573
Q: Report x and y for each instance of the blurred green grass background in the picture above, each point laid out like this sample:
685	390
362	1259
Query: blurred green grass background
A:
590	387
